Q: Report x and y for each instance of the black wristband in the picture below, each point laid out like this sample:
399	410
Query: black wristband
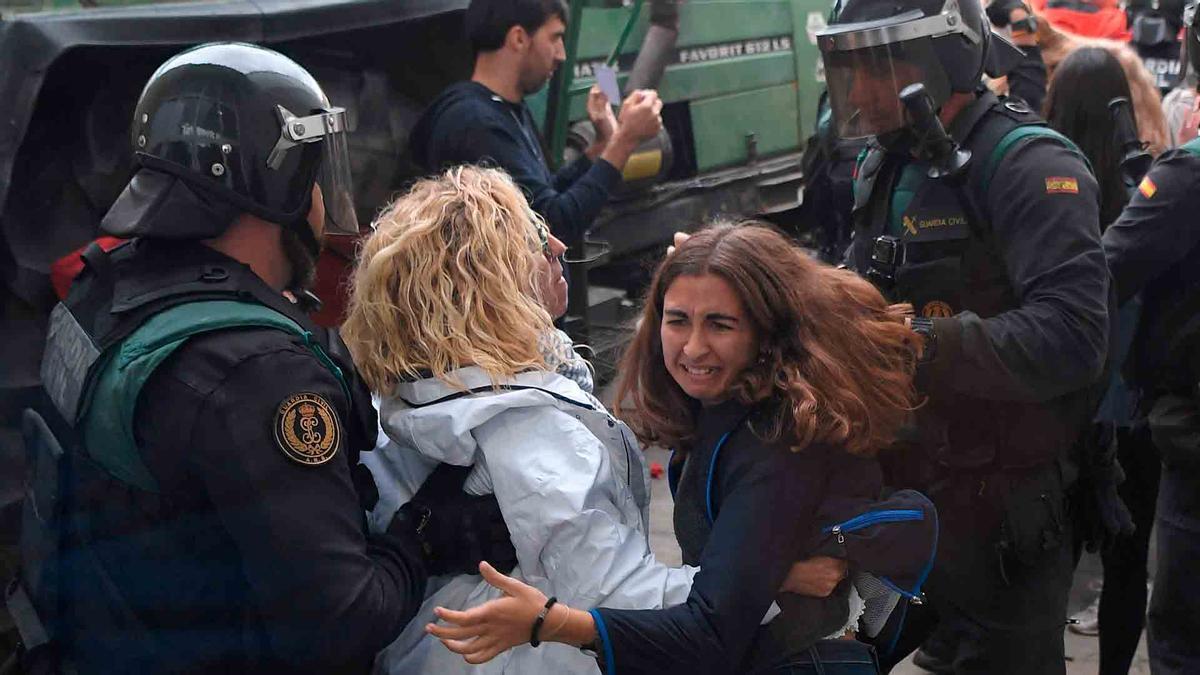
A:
537	623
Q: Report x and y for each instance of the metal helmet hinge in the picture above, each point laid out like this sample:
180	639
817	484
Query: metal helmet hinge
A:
295	131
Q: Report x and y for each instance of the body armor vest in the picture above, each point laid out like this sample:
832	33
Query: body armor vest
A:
126	314
947	262
92	354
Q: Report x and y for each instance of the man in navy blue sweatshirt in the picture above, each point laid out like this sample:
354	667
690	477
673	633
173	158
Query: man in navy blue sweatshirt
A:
518	44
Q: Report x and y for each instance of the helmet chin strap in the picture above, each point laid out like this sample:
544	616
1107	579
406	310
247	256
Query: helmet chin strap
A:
307	237
932	143
302	251
898	142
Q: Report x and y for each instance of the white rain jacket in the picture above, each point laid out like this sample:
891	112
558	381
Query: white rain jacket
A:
572	484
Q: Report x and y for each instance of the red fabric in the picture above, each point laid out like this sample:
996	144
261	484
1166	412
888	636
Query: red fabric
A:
64	270
1108	21
334	268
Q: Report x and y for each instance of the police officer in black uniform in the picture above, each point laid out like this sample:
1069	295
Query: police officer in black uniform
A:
1155	27
1152	249
989	227
213	504
828	165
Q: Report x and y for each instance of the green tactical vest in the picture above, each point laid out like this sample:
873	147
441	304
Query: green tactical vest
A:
911	177
107	414
1192	146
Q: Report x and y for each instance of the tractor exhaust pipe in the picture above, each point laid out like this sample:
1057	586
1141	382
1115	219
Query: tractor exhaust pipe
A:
658	46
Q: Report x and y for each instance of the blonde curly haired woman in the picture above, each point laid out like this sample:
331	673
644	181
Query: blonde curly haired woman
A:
448	322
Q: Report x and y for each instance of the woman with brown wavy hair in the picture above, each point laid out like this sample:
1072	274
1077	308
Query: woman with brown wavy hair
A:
829	348
775	378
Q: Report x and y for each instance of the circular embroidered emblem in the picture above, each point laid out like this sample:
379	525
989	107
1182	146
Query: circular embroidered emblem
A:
936	309
307	429
1018	107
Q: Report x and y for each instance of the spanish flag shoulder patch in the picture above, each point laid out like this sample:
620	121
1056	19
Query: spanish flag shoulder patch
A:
1059	185
1147	187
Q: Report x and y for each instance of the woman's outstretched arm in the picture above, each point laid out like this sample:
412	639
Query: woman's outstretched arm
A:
747	559
482	632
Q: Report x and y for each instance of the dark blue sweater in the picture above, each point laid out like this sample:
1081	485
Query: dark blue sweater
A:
470	124
767	506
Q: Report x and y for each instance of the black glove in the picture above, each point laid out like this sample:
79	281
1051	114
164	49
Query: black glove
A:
456	530
1102	515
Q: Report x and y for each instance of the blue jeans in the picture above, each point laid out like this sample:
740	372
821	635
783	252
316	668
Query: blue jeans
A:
834	657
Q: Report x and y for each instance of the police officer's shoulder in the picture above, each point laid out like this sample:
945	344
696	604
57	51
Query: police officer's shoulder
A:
1032	150
206	361
258	383
1184	157
1172	179
1050	160
1015	108
1192	147
1024	127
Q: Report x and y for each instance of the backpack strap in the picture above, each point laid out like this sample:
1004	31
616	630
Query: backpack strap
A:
1192	147
1013	138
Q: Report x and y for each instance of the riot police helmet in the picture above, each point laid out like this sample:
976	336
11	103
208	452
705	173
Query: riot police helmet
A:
1154	22
226	128
876	48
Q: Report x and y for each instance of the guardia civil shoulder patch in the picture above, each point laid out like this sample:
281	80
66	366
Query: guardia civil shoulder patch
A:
307	429
1058	185
1147	187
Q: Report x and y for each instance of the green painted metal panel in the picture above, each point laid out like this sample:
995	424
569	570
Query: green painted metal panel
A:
722	124
561	85
691	81
700	23
781	83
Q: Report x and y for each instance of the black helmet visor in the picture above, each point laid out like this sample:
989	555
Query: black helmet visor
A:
868	63
328	128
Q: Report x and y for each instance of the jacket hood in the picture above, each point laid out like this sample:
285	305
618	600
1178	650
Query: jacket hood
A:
438	419
423	130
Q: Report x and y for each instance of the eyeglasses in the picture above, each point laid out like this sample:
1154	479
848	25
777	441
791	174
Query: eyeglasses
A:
543	234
